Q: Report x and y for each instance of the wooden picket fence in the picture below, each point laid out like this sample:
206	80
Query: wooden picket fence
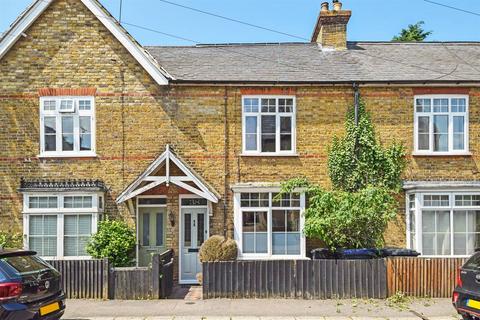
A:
304	279
423	277
95	279
84	279
326	279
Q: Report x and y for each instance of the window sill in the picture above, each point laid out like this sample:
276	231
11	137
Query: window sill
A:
280	155
85	155
442	154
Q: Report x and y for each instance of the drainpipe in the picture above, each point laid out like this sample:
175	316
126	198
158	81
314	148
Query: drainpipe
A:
356	99
356	96
225	159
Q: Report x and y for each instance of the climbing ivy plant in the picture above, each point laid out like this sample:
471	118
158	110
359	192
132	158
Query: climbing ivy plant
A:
365	178
358	159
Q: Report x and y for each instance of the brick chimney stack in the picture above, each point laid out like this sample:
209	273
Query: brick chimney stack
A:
331	29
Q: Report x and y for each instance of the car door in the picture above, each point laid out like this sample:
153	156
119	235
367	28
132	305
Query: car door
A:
470	274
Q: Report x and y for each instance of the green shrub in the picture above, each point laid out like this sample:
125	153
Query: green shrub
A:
114	240
346	219
217	248
11	240
365	178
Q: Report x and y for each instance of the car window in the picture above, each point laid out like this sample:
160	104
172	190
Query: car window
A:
473	262
26	264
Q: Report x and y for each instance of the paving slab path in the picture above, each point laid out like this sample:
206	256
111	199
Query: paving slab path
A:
355	309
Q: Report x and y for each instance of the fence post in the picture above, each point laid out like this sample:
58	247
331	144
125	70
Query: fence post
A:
155	273
105	278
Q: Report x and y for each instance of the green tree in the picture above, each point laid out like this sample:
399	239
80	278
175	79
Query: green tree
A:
414	32
114	240
358	160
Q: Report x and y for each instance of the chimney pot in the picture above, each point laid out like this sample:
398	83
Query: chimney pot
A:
337	5
325	6
331	29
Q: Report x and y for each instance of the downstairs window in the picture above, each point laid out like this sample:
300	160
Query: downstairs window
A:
267	227
447	224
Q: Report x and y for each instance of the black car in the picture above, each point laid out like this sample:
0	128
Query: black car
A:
466	296
30	288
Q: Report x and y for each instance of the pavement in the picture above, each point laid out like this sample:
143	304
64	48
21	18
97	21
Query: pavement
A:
243	309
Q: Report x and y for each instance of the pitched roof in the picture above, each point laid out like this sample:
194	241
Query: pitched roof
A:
35	10
307	63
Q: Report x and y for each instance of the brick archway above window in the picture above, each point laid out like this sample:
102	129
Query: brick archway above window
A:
56	92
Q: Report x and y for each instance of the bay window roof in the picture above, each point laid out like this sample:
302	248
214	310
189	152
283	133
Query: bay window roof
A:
39	185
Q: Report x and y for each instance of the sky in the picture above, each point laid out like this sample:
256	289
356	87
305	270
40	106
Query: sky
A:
372	20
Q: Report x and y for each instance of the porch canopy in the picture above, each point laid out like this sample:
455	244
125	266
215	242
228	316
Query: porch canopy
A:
169	168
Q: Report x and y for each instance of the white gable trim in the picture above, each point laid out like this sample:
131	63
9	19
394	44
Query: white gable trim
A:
154	181
37	8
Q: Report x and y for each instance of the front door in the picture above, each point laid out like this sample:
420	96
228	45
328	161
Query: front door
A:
151	233
194	226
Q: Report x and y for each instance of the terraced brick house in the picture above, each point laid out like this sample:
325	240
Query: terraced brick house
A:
187	142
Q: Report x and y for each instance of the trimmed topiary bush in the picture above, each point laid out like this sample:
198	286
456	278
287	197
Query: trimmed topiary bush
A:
217	248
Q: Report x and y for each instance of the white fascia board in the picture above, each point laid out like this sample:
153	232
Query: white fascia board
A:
37	8
135	50
23	22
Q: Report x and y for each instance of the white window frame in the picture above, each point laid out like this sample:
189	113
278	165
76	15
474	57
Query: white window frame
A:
95	211
277	114
418	245
450	115
76	113
238	224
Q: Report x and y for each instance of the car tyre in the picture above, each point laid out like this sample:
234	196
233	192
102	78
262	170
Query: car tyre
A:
467	317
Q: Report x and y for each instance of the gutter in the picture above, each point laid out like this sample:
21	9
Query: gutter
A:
403	83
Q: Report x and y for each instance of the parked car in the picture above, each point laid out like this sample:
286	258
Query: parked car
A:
466	296
30	288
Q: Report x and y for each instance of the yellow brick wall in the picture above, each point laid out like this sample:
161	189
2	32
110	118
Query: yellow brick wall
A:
69	48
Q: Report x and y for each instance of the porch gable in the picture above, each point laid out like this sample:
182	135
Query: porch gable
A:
161	172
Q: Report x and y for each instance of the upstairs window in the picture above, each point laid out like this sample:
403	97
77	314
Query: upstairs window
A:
441	124
269	125
67	126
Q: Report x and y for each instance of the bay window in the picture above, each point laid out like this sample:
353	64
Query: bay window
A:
443	224
60	225
269	227
268	125
441	124
67	126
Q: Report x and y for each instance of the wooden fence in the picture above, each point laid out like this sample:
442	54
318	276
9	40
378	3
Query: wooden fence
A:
306	279
83	279
153	282
94	279
423	277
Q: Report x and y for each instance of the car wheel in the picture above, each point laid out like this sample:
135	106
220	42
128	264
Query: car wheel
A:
467	317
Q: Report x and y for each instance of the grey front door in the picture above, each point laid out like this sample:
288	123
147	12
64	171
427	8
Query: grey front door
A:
194	225
151	233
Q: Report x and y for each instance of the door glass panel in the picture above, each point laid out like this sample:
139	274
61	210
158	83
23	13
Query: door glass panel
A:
187	230
200	229
146	229
159	227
